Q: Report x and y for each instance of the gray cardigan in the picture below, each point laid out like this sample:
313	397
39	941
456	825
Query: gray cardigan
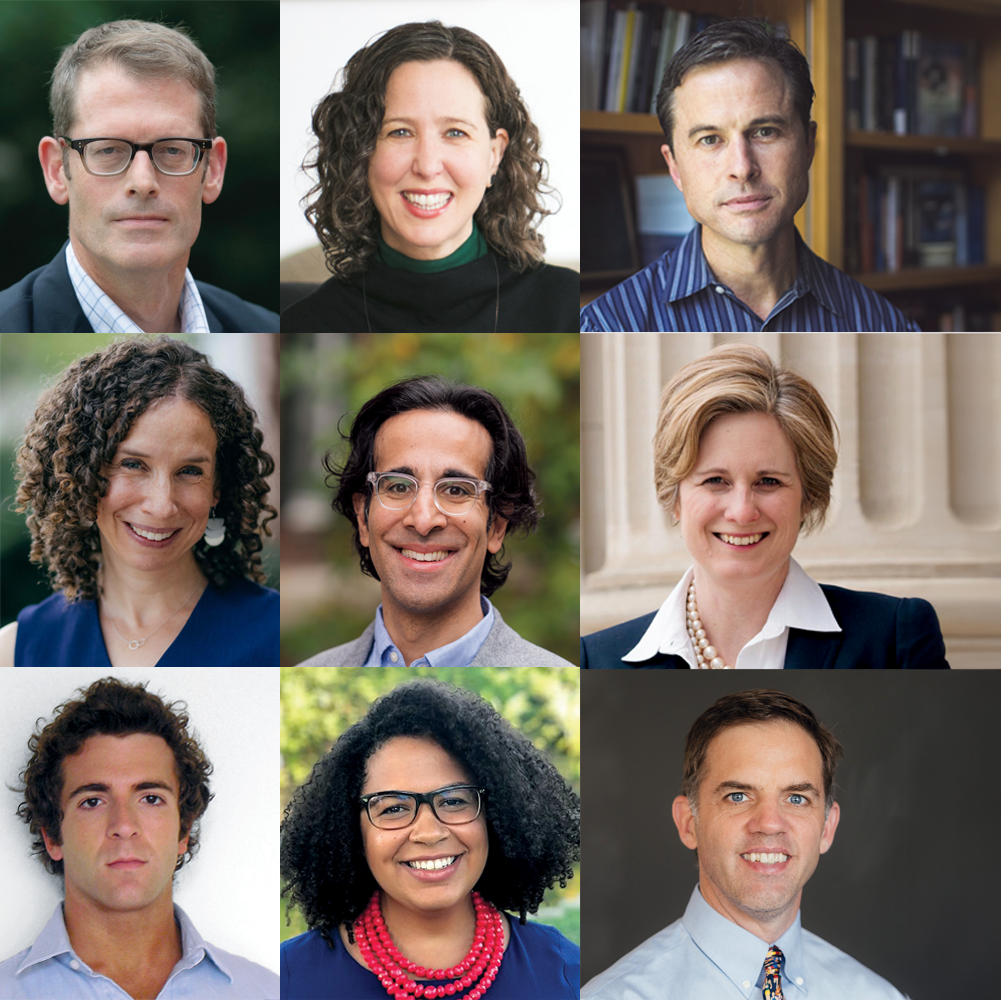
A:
503	647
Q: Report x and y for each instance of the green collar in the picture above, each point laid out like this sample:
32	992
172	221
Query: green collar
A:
473	249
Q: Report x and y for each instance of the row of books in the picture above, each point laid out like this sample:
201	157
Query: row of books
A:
625	47
902	217
910	84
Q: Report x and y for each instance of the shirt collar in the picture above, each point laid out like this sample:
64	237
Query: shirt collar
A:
801	604
54	942
106	317
691	273
739	954
459	653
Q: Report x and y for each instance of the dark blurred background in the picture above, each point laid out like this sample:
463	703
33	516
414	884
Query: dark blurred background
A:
237	247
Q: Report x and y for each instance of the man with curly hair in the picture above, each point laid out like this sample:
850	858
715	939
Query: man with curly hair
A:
134	152
436	477
112	793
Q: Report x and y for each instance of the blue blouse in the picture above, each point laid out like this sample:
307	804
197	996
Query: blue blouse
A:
539	964
235	627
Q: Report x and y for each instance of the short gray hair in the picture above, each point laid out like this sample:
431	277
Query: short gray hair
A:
145	50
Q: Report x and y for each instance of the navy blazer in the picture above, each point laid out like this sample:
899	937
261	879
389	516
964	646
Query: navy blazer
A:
44	302
877	632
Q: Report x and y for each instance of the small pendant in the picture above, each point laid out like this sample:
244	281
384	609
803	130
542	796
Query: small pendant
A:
136	643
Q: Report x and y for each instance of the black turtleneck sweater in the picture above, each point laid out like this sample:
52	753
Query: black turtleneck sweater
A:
463	299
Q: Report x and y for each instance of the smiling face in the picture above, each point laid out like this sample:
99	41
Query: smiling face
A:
759	827
161	487
741	157
410	764
140	220
741	506
120	833
433	158
430	563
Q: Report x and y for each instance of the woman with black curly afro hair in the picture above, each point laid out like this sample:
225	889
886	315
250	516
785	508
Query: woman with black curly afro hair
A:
425	822
145	484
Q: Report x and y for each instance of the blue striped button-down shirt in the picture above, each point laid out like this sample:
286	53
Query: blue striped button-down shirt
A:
679	292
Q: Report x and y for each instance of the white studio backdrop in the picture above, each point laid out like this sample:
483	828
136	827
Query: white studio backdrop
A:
536	40
230	889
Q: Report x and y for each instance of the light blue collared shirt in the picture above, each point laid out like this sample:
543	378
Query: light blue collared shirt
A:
456	654
704	956
105	316
50	969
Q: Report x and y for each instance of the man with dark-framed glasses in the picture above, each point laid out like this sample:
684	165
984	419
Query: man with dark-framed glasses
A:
436	477
134	153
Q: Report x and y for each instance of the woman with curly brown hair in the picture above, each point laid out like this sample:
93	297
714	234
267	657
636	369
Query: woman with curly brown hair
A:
428	196
145	484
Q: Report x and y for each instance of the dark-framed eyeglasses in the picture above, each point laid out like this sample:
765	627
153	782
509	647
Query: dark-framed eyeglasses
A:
452	805
452	496
107	157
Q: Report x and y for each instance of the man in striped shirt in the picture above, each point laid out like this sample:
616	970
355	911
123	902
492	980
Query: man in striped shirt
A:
735	108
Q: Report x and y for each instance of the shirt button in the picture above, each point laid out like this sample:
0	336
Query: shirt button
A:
75	965
394	656
721	290
747	982
799	980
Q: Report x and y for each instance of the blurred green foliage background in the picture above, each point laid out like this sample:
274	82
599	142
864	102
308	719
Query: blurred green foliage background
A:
319	703
238	245
536	377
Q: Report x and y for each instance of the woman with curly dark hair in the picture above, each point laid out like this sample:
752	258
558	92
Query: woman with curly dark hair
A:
428	196
425	821
145	484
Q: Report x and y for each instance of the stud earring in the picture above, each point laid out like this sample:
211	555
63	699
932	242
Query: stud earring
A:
215	530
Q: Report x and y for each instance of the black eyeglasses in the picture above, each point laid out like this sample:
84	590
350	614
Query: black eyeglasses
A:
108	157
453	805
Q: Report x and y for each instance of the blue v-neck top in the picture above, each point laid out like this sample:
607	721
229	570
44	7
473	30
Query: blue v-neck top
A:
235	627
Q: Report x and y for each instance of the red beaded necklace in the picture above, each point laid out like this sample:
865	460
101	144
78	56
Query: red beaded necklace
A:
388	963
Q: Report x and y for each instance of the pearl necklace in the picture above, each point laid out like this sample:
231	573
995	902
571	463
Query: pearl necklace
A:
387	962
708	658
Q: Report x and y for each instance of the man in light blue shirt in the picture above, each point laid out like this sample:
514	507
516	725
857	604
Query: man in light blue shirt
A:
436	479
758	804
113	792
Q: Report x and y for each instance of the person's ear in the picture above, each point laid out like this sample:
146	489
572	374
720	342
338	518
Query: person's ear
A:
672	166
495	535
358	501
830	826
50	155
212	182
684	820
54	850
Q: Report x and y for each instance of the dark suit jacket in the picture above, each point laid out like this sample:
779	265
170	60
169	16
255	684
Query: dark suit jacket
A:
44	302
878	632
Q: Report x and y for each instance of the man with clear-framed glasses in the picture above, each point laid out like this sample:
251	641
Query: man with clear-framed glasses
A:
436	478
134	153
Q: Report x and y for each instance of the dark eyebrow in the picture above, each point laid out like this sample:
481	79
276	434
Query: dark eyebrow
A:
142	786
741	786
754	123
440	121
132	453
406	470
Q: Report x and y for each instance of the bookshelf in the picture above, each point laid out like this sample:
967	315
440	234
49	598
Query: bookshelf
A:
820	28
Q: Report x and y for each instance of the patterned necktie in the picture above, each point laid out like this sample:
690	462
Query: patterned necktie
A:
773	975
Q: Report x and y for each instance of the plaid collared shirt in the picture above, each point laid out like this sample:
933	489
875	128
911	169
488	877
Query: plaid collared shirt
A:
679	292
105	317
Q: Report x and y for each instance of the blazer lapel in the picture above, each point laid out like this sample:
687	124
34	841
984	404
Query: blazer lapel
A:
55	307
812	650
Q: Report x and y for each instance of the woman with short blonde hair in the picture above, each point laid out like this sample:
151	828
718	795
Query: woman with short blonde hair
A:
744	458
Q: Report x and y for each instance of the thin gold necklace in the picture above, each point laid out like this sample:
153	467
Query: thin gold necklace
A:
137	643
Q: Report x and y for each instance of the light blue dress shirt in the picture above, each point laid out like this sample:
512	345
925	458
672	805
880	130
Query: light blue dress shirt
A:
51	970
456	654
704	956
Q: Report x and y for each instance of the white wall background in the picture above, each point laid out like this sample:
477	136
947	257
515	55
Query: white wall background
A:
230	889
534	38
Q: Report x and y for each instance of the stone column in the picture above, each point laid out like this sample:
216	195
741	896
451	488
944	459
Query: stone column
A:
916	508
